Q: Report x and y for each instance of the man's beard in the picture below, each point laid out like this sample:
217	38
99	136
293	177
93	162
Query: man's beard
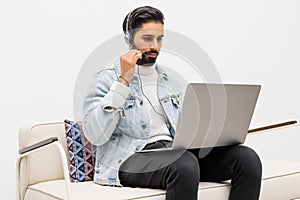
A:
147	61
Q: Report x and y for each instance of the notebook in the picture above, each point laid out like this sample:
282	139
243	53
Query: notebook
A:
214	114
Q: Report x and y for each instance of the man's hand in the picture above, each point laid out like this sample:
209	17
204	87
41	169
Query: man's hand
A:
128	62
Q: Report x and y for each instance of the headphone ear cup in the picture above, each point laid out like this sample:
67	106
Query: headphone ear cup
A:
126	39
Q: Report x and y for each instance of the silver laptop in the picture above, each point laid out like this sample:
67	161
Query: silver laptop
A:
214	115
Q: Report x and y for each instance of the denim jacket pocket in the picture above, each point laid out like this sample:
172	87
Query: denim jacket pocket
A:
129	103
126	122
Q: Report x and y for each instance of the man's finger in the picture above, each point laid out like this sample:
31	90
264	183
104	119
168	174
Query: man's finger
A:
136	55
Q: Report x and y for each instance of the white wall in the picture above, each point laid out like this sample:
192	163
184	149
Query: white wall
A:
44	44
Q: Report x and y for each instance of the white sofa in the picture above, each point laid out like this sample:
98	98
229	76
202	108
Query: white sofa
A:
42	173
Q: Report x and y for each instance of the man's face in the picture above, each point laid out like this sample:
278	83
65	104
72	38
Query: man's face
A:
148	39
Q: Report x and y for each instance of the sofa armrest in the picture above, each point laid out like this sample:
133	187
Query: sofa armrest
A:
39	147
272	126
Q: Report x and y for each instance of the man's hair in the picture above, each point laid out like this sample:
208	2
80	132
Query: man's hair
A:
140	15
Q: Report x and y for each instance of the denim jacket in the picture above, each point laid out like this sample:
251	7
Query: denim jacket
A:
119	132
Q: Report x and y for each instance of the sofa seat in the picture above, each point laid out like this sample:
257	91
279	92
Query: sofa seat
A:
88	190
276	174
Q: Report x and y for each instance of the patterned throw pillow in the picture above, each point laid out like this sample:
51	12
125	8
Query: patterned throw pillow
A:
81	153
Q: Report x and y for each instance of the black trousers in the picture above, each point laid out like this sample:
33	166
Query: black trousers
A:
179	172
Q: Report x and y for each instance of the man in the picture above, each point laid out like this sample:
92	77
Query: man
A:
135	105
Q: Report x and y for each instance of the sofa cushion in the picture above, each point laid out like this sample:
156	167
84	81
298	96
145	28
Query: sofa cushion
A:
81	153
281	180
90	190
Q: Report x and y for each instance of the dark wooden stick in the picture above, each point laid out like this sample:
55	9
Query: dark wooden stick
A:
272	126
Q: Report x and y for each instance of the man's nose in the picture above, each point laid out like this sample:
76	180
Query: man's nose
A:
154	44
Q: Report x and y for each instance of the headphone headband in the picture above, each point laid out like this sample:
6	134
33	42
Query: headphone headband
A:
127	34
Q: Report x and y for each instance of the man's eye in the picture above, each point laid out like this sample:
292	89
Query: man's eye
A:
147	39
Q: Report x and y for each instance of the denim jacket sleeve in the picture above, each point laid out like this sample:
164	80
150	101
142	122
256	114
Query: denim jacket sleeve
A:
100	115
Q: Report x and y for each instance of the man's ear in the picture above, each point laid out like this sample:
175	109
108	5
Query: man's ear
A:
126	38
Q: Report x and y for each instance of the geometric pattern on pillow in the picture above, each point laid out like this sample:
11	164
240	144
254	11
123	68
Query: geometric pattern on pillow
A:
81	153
